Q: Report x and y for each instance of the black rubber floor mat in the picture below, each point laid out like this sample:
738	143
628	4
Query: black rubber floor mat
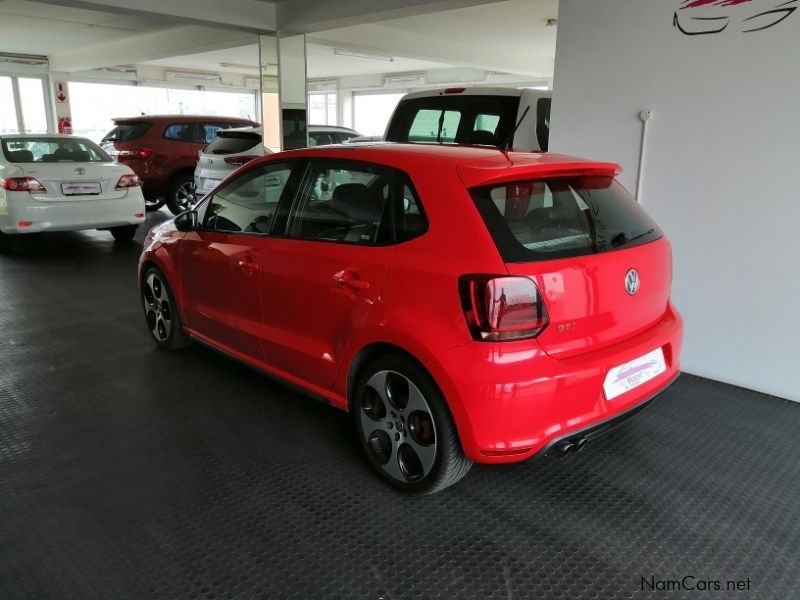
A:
127	472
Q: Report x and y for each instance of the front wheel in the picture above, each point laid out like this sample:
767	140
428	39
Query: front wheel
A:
405	426
124	233
161	312
181	194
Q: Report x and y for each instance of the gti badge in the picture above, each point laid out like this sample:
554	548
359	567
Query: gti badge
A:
632	281
80	171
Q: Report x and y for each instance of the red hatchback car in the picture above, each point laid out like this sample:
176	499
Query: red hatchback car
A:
464	304
162	150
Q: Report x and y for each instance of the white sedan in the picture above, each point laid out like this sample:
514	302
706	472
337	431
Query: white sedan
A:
64	183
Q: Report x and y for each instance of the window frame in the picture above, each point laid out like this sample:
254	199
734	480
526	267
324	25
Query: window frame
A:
296	176
399	179
192	125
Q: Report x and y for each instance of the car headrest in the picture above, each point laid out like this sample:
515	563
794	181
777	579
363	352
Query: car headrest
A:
20	156
356	201
81	156
481	137
62	154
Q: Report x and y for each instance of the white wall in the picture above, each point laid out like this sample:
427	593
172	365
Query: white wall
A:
723	170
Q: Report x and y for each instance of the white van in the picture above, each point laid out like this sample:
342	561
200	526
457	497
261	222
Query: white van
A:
477	116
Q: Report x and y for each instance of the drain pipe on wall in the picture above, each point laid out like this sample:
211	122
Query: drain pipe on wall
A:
645	117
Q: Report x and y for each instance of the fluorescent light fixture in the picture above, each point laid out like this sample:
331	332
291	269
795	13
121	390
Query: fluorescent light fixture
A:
193	76
227	65
362	54
403	78
23	59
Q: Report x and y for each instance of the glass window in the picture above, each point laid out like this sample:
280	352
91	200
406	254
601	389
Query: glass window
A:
180	132
371	112
344	202
248	203
50	149
569	216
126	132
434	126
410	220
208	131
321	138
346	136
322	108
8	115
234	142
31	95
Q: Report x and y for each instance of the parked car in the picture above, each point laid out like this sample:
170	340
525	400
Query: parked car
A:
364	138
162	151
233	148
64	183
465	305
475	116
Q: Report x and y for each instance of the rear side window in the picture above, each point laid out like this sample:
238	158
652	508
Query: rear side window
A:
180	132
473	119
233	142
561	217
126	132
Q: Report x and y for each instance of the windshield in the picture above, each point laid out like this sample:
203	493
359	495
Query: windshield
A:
233	142
125	132
559	217
52	149
477	120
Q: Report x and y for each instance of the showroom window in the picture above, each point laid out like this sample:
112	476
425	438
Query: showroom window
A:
23	106
322	108
95	105
371	112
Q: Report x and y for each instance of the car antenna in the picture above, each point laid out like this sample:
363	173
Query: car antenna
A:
506	145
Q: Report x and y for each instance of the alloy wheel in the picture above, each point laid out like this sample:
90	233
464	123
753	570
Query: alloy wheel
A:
185	196
398	425
157	307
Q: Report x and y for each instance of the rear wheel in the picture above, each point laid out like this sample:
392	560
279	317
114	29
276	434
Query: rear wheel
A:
153	204
161	312
181	194
124	233
405	426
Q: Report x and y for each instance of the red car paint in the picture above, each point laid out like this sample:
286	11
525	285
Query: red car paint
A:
277	303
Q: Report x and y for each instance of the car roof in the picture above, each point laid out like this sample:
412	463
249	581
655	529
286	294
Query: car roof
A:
61	136
476	165
464	91
179	118
331	128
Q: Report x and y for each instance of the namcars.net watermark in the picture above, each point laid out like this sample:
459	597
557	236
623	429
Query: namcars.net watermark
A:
691	583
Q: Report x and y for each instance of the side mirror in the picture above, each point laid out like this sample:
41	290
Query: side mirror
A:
186	221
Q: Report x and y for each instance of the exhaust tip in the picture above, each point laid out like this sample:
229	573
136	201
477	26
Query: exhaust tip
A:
581	444
565	449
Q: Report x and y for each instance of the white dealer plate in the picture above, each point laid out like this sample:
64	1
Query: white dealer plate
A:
87	188
634	373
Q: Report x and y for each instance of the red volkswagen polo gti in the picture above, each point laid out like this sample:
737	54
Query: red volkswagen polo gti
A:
464	304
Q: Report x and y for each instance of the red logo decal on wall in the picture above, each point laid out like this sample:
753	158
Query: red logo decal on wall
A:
704	17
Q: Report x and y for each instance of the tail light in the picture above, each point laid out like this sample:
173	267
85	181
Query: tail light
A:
239	160
502	308
23	184
128	180
140	153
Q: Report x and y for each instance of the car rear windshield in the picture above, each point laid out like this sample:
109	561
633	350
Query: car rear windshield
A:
561	217
233	142
39	149
126	132
473	119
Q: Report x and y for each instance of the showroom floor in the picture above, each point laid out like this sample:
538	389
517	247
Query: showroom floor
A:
128	472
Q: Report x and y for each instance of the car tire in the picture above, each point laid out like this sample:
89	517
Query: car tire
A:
161	311
6	243
153	204
181	194
125	233
405	426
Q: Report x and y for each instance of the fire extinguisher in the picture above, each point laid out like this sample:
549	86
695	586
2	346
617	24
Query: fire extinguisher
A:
64	125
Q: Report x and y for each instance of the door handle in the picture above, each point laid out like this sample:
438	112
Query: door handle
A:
248	265
351	280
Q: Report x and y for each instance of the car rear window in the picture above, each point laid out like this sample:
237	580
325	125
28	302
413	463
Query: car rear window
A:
233	142
125	132
561	217
41	149
473	119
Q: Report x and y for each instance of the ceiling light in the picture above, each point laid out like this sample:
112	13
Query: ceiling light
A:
227	65
193	76
362	54
22	59
403	78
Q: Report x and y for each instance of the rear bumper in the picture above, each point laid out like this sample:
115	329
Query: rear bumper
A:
511	400
71	215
